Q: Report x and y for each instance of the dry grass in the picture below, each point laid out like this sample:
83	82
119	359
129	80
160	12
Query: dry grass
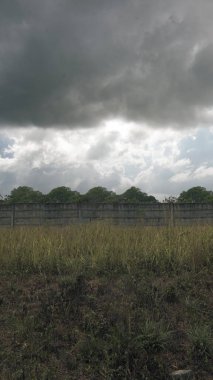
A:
99	246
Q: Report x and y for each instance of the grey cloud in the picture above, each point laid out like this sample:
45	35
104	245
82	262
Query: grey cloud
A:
103	147
81	177
98	151
177	188
111	181
75	177
75	63
196	86
158	182
7	181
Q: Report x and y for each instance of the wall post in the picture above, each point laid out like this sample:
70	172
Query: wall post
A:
172	217
79	212
13	215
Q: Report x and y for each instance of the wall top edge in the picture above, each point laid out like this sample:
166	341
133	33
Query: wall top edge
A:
108	203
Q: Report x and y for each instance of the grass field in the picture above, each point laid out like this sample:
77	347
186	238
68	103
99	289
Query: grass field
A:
105	302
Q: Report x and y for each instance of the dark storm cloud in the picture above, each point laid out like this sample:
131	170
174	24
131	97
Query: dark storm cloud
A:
75	63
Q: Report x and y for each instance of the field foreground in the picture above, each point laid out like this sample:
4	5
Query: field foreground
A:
105	302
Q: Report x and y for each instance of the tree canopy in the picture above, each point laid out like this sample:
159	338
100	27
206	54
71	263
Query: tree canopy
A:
135	195
25	194
63	194
196	194
99	194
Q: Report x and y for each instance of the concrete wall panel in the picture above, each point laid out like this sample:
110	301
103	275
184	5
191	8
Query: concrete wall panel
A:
160	214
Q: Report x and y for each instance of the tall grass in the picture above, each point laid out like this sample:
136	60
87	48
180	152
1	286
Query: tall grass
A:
101	247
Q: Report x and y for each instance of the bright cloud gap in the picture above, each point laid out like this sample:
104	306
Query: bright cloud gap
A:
117	155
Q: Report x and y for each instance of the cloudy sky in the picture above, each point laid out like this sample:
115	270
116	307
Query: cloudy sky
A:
114	93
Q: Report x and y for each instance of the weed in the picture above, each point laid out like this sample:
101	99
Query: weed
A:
201	343
154	337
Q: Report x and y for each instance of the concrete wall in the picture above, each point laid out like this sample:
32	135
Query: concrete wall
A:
159	214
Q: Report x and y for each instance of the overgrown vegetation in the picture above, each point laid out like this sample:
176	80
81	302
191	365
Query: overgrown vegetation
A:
105	302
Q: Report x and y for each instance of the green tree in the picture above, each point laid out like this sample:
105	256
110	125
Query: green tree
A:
62	194
99	194
112	197
24	194
196	194
135	195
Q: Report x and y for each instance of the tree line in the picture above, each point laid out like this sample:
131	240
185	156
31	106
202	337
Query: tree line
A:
63	194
